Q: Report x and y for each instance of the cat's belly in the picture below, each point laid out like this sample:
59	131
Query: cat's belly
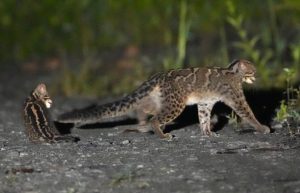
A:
202	98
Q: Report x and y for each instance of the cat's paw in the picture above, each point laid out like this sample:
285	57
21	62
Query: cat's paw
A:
168	137
206	132
264	129
210	134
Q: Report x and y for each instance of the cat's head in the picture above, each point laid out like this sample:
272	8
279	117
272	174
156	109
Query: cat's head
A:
40	93
245	69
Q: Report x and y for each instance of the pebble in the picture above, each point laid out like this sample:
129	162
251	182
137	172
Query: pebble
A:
192	158
213	151
140	166
105	143
22	154
125	142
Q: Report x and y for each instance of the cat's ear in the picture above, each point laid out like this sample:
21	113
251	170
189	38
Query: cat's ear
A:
42	88
234	62
234	65
243	64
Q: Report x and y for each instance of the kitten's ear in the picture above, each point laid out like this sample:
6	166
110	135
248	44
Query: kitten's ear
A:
41	88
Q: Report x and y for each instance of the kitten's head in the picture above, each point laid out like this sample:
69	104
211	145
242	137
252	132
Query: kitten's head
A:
245	69
40	93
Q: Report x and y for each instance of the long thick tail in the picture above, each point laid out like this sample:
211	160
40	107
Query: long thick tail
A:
98	113
114	110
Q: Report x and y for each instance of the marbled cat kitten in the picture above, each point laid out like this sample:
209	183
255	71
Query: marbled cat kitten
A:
165	95
39	126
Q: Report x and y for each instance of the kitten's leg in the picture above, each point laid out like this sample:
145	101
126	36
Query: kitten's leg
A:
204	111
241	107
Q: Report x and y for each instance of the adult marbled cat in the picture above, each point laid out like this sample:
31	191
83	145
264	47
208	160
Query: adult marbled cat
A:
165	95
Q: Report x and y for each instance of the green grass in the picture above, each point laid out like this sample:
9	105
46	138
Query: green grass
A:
169	62
288	112
246	45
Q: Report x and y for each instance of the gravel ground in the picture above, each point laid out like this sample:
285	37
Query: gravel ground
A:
110	160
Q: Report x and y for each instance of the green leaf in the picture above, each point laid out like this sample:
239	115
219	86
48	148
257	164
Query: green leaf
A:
232	21
253	41
255	55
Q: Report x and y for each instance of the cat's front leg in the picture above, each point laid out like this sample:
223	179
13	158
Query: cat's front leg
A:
243	110
204	111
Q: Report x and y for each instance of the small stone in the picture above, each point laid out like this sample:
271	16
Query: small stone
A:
192	158
23	154
170	171
104	143
125	142
140	166
213	151
143	185
277	126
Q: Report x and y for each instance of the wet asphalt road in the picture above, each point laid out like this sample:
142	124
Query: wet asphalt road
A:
109	160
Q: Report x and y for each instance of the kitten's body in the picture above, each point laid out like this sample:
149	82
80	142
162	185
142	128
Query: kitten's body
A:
39	126
165	96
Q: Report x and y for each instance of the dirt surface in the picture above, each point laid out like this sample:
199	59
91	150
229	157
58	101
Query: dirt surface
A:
109	160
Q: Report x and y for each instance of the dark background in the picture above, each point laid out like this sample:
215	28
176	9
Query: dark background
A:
108	47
